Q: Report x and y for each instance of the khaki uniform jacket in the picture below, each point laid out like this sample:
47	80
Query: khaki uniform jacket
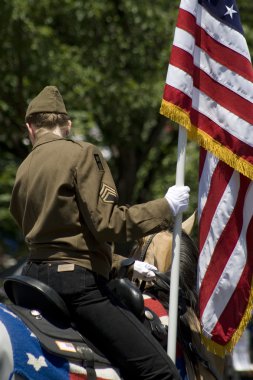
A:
66	203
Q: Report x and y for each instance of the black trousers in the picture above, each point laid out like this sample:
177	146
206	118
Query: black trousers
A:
112	328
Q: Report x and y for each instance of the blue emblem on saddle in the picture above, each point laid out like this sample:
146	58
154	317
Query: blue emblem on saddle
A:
29	358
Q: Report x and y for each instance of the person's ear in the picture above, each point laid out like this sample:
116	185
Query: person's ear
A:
31	132
69	126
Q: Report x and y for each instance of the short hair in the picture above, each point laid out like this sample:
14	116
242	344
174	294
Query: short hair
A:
47	120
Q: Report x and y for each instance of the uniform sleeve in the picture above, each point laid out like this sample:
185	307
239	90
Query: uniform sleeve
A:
98	202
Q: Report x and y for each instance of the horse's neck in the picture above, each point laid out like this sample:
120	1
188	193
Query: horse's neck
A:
158	252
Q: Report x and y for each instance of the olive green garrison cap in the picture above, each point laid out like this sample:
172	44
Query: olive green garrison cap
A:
49	100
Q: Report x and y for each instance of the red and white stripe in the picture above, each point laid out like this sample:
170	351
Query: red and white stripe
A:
102	373
226	254
210	78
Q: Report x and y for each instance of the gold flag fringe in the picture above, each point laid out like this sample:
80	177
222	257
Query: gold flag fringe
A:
220	350
181	117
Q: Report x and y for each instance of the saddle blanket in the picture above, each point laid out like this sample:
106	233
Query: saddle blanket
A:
156	306
21	353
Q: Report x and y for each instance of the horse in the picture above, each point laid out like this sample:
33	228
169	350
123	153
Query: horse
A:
157	250
51	366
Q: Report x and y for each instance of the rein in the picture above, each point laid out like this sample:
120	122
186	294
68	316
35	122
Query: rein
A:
145	247
143	256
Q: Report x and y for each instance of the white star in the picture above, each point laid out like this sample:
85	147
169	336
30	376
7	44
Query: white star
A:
230	11
36	363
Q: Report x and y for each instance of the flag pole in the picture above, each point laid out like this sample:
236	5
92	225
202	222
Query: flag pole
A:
174	280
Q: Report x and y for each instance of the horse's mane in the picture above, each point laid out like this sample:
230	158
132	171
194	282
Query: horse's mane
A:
188	270
188	266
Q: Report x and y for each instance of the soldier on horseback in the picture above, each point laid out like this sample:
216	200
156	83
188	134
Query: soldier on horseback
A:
66	203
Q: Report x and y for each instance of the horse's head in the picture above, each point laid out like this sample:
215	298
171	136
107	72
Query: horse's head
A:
157	250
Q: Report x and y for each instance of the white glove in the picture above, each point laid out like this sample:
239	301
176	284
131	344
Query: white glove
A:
144	271
178	198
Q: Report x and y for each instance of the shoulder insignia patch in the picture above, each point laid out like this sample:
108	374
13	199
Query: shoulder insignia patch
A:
108	194
98	162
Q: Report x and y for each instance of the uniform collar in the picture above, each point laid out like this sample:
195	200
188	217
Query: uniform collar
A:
45	137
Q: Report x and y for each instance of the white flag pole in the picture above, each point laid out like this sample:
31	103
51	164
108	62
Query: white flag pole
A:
174	280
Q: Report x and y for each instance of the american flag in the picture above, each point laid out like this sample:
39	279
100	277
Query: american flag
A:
209	91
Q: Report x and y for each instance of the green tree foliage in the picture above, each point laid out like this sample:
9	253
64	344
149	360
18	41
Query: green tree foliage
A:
109	60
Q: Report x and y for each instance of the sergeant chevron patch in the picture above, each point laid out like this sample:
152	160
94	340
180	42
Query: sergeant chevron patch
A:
108	194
